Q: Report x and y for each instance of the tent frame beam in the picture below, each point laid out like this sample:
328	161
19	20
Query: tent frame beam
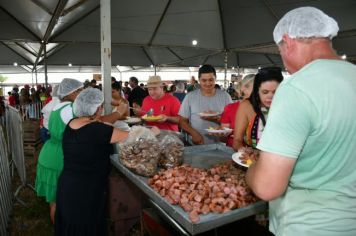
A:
159	22
57	13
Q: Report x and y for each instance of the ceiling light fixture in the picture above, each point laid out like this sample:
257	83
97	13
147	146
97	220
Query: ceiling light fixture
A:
343	57
194	42
15	64
70	64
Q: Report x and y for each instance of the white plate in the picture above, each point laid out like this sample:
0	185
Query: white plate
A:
236	158
203	114
219	131
133	120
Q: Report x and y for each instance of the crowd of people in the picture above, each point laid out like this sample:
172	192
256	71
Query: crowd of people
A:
303	125
28	95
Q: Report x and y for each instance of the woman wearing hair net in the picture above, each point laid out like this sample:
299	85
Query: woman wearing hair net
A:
82	185
306	168
50	160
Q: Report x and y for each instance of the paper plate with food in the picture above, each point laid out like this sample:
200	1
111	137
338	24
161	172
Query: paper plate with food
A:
219	130
151	118
245	156
209	113
132	120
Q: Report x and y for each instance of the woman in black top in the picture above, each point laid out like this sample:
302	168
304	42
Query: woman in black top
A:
82	186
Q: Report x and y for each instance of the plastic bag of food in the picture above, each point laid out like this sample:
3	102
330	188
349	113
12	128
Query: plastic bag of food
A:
140	152
172	149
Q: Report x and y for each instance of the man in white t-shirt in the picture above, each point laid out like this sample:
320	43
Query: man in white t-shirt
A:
206	100
306	169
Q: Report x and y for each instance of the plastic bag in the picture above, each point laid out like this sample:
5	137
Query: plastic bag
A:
172	149
140	152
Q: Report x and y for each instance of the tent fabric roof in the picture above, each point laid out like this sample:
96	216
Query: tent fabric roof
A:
156	32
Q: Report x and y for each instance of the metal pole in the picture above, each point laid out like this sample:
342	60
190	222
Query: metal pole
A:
36	75
225	71
105	22
45	64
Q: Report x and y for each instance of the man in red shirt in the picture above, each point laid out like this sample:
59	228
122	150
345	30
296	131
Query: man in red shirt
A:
163	104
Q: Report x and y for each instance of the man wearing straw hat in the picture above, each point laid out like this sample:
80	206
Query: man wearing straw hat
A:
164	105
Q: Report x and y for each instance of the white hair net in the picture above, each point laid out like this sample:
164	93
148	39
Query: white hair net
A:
68	86
305	22
88	102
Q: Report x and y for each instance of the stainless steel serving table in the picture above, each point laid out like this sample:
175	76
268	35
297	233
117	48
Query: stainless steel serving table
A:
202	156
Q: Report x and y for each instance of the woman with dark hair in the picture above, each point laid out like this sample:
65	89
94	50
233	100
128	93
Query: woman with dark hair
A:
252	114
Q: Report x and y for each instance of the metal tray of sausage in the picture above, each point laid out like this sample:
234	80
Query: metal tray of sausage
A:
202	156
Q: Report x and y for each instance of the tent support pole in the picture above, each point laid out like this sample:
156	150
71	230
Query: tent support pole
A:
36	76
105	38
45	64
225	70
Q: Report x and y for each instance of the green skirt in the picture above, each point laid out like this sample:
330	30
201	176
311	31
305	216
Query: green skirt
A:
49	167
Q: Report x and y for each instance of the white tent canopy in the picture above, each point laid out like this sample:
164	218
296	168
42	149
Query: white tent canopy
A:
154	32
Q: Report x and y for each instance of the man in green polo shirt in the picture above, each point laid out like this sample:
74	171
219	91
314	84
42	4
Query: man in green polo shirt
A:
307	165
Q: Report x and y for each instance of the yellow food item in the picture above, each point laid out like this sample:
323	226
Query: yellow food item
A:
152	118
249	162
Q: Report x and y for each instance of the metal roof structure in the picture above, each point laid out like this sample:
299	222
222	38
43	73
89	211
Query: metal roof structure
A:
154	32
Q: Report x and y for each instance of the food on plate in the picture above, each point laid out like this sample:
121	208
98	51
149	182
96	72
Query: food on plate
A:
132	120
248	155
216	128
219	130
151	118
209	113
217	190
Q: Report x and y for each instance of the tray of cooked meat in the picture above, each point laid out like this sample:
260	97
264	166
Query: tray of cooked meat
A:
207	191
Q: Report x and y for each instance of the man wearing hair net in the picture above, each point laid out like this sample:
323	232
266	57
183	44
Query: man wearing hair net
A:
306	168
82	185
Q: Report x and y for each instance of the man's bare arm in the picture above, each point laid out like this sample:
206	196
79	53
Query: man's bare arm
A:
269	177
197	138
